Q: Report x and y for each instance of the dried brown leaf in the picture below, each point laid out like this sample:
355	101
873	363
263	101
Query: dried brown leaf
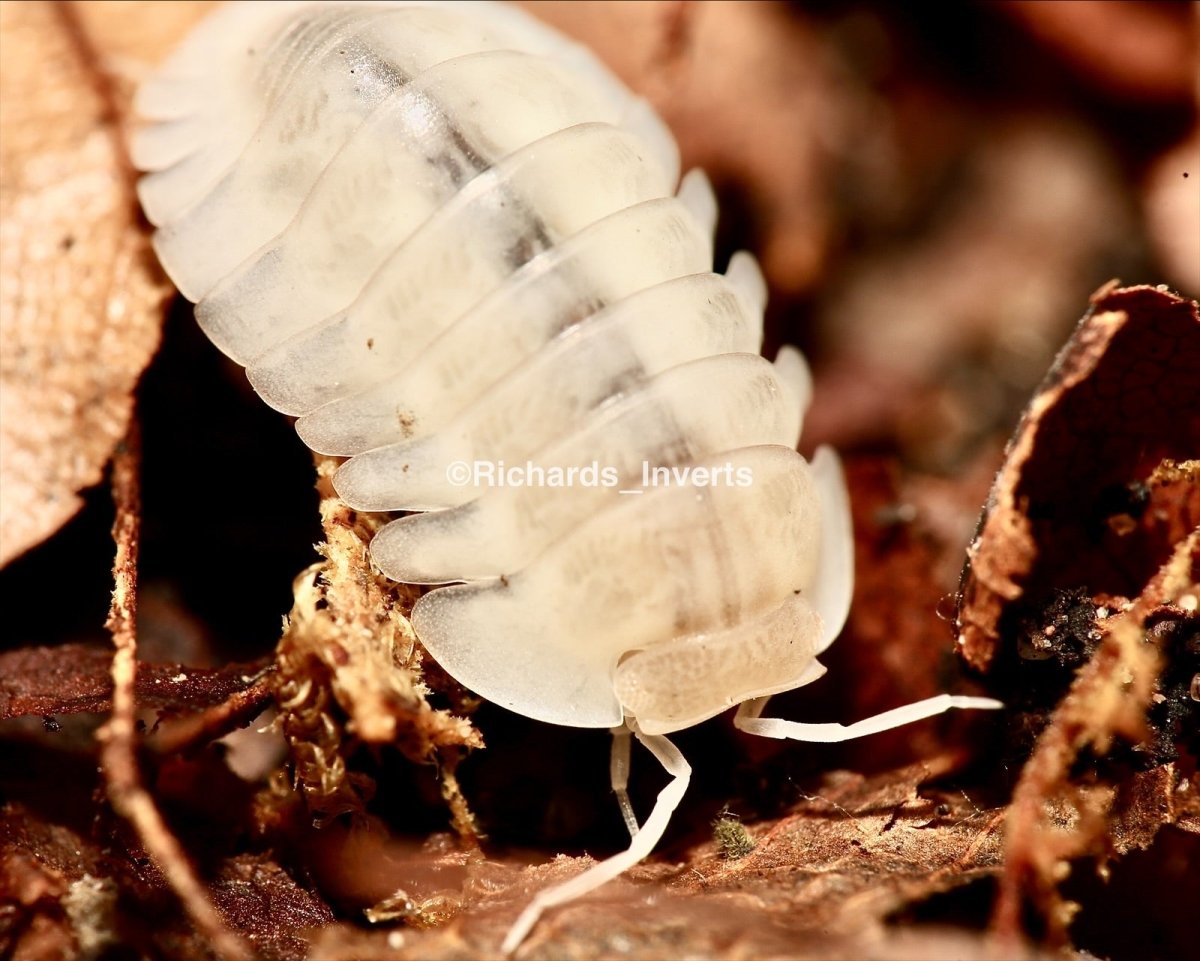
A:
74	678
40	864
822	882
1096	503
261	901
65	894
80	296
1078	502
1149	800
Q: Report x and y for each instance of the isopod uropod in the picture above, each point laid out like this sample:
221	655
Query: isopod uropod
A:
442	235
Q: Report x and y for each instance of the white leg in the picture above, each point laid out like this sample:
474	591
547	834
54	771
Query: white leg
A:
618	771
747	719
641	845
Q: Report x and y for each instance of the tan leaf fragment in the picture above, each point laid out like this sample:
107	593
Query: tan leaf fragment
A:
80	296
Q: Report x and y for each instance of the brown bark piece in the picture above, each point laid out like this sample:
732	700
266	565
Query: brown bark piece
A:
80	295
1078	502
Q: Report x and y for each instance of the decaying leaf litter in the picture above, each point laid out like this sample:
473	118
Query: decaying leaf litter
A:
933	847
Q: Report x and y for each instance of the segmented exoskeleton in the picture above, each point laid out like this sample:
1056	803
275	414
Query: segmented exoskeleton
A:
453	245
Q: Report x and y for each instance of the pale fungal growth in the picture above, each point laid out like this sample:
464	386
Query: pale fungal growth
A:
450	242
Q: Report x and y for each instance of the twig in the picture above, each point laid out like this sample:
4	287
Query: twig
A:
118	755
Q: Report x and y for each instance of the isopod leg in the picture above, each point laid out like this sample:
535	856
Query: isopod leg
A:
747	719
640	846
618	770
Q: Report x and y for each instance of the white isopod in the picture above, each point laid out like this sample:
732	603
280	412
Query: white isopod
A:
448	239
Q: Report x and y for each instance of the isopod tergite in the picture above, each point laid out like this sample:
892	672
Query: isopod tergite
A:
455	247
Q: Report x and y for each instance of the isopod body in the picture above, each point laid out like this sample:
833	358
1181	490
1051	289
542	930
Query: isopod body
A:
445	238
